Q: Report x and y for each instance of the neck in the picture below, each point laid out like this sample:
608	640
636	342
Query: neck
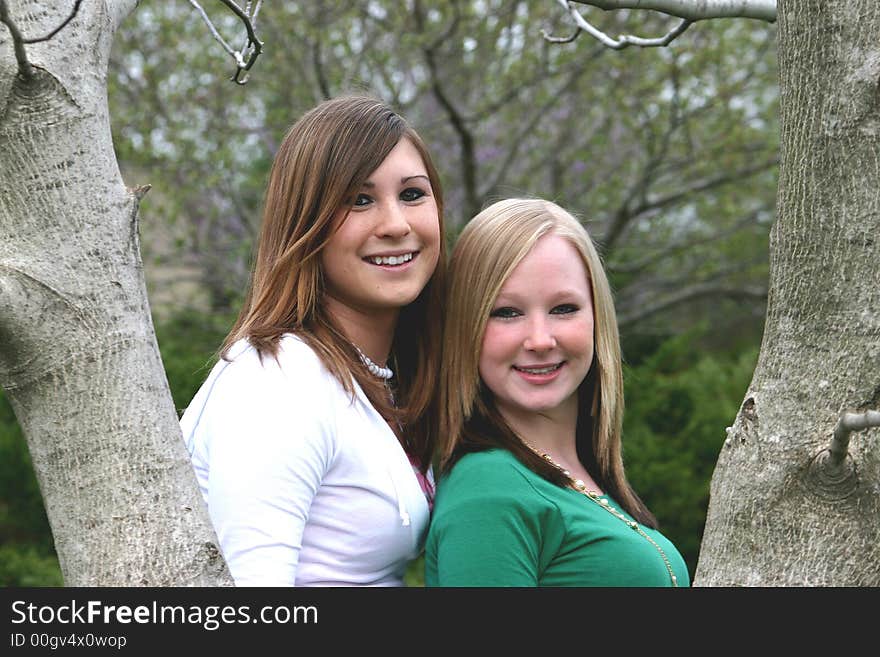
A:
553	433
371	331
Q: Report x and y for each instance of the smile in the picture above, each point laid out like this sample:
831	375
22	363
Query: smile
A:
391	260
538	370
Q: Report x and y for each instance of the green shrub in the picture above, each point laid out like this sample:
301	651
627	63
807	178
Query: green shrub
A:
27	549
678	403
25	565
189	344
679	399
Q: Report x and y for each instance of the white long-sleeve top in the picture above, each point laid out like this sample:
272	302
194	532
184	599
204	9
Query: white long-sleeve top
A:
304	487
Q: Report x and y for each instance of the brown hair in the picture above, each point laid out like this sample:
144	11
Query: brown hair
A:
323	161
489	248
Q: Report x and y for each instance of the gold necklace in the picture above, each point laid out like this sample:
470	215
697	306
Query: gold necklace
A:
581	487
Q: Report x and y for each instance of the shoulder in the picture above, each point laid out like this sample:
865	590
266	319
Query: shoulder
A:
492	473
294	367
490	494
297	356
277	404
293	354
292	386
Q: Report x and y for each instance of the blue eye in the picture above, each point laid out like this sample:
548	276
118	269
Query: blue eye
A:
564	309
411	194
361	200
505	312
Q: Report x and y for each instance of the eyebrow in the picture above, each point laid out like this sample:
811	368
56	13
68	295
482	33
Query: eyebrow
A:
403	180
560	294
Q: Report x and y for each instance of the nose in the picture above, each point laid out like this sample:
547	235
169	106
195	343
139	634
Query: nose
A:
393	222
539	336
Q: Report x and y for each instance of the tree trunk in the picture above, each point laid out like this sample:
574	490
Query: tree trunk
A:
779	514
78	355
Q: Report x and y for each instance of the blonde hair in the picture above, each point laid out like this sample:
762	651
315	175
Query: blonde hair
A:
489	248
323	161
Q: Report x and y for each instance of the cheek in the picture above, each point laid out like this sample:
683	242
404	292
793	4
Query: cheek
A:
496	348
429	226
337	256
330	261
580	339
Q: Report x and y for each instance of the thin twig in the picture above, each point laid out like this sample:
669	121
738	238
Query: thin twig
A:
214	31
848	423
253	43
25	70
59	28
624	40
552	39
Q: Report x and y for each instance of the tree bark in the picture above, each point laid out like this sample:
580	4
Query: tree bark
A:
78	355
80	363
779	514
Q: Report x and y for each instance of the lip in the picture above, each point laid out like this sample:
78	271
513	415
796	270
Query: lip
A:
542	378
388	254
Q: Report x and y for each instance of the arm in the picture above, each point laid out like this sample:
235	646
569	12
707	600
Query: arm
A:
271	442
486	531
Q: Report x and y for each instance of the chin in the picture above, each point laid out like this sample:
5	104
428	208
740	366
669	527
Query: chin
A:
403	299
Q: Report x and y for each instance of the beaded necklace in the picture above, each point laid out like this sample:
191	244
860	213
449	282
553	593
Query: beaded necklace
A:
376	370
581	487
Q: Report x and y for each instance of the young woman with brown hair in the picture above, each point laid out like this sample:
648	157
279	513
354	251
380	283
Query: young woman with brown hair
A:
312	436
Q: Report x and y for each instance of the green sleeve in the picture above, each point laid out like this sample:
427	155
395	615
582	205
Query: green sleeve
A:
486	529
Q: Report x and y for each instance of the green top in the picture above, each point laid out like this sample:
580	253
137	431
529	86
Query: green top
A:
497	523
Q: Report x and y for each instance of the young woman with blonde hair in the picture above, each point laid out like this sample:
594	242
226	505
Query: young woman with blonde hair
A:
533	490
312	436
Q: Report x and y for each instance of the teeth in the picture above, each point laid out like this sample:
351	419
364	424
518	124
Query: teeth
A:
539	370
391	260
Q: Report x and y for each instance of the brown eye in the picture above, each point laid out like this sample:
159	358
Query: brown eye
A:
411	194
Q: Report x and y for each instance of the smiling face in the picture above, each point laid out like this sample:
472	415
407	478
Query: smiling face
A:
538	344
386	245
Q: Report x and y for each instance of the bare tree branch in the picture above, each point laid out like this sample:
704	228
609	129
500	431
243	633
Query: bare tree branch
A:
848	423
626	215
318	65
689	11
253	46
682	245
686	275
526	127
623	41
552	39
704	185
57	29
690	293
25	70
466	138
449	30
696	10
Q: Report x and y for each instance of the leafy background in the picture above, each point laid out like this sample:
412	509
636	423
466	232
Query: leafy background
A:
668	156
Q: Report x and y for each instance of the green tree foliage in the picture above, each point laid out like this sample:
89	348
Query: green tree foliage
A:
188	344
27	553
667	154
679	399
